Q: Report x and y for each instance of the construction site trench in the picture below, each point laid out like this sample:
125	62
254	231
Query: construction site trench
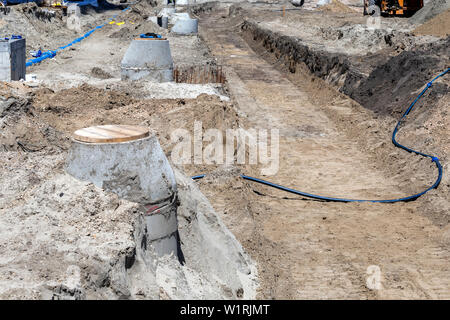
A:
334	89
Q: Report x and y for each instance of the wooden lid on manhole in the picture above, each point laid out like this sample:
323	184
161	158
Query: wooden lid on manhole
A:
111	133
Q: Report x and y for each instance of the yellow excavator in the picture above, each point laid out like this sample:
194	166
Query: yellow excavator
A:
392	7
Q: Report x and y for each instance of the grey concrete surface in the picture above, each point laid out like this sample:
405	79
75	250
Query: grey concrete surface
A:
12	59
137	171
149	59
185	26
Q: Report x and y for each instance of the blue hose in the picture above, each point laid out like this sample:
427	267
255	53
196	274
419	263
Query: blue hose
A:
52	53
394	141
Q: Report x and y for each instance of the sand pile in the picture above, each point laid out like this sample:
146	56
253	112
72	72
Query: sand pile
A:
438	26
20	129
77	241
136	23
46	28
42	28
430	10
336	7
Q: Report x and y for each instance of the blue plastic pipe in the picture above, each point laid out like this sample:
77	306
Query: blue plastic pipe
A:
394	141
52	53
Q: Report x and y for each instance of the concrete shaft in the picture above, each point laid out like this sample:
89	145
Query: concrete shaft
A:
12	59
74	22
167	11
161	21
179	16
185	26
73	9
138	171
149	59
184	2
164	22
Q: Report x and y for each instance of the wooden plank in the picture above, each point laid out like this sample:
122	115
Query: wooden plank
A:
111	133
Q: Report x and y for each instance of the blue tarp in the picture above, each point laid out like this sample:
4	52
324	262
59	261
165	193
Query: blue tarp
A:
93	3
19	1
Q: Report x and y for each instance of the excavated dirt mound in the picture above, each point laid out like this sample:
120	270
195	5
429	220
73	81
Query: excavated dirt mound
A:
41	27
32	121
133	29
46	28
78	219
77	100
77	241
438	26
430	10
336	6
99	73
392	85
379	81
385	84
20	127
269	223
44	119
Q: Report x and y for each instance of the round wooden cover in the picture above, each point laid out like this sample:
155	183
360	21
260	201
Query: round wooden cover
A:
111	133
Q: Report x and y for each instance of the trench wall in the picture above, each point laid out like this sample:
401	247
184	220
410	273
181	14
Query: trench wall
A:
380	82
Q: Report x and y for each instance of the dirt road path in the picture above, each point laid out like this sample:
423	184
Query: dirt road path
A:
312	249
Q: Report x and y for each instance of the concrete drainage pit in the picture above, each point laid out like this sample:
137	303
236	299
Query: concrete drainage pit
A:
163	21
12	58
73	17
183	2
180	23
185	26
129	161
148	57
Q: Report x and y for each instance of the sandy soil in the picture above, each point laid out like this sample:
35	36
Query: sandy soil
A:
438	26
92	244
333	146
93	234
330	144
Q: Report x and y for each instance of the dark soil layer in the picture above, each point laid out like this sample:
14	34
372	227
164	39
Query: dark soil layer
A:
387	89
392	86
379	82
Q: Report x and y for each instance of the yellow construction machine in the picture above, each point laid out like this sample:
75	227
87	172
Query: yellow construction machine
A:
392	7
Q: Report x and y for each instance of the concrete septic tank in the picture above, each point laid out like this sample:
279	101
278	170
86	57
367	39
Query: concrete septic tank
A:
73	9
162	21
185	26
129	161
183	2
165	22
73	17
12	59
148	58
